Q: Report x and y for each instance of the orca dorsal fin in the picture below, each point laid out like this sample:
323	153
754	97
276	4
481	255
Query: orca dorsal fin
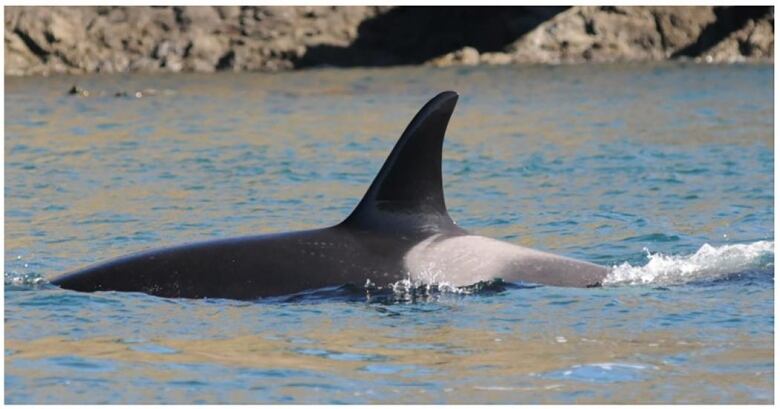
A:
407	193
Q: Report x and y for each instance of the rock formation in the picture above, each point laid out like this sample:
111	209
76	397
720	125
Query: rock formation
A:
44	40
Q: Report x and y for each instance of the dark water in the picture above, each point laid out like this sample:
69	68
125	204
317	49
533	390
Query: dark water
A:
665	172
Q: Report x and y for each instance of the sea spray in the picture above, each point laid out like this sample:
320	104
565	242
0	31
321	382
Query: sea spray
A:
708	263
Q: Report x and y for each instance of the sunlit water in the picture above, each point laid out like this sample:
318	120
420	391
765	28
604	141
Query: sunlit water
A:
665	172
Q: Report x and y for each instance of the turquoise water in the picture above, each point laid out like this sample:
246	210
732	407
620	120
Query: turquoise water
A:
664	172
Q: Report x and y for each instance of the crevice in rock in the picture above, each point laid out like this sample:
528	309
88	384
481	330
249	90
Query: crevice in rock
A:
226	61
65	59
660	29
39	52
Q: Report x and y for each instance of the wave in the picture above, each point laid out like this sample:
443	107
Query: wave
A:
706	264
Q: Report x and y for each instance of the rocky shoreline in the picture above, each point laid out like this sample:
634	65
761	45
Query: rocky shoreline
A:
48	40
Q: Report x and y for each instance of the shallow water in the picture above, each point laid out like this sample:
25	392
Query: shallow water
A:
665	172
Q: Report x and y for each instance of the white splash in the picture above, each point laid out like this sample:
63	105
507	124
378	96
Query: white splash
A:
707	263
17	279
409	288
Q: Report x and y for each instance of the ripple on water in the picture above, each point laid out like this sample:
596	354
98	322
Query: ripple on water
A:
582	169
608	372
153	349
341	356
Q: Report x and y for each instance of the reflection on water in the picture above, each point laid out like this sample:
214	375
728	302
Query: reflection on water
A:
246	352
445	364
595	162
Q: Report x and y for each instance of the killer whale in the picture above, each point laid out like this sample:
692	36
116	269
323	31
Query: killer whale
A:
400	229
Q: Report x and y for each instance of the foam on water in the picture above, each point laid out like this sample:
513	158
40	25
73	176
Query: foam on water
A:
708	263
408	290
23	280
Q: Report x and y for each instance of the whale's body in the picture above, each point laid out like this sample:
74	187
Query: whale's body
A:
400	229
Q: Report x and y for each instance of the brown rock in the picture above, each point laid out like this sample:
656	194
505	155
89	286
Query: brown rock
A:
592	34
681	26
205	18
464	56
41	40
18	58
754	41
228	12
495	58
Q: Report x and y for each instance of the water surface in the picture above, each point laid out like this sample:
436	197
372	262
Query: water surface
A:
664	171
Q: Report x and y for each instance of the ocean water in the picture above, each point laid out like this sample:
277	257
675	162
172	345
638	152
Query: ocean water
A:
664	172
